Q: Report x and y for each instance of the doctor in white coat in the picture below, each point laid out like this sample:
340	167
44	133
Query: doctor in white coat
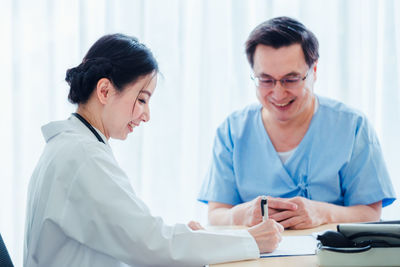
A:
82	210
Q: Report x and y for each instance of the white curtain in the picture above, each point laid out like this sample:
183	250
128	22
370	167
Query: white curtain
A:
200	48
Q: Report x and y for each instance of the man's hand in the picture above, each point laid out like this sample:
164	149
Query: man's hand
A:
293	213
267	235
312	213
252	212
252	209
307	215
248	213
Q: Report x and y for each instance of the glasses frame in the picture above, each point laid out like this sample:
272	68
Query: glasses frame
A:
282	81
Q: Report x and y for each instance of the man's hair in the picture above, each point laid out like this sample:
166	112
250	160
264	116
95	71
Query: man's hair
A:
283	31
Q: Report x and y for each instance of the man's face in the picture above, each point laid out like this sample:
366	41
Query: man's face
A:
288	63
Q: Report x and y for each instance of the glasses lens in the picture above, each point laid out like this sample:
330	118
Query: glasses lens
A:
291	83
266	83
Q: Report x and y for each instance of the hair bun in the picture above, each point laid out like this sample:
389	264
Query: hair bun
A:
84	77
100	65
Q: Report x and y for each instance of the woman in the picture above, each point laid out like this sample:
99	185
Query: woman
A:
82	210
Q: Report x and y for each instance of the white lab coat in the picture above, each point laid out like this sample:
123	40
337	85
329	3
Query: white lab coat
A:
82	211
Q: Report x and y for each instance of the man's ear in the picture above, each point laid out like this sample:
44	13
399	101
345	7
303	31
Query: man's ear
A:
314	72
104	89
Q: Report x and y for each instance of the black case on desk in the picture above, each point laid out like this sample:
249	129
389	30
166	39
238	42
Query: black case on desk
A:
369	244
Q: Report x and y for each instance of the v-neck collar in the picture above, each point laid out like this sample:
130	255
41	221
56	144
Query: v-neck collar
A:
291	181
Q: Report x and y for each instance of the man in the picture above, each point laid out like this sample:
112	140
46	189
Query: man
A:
315	153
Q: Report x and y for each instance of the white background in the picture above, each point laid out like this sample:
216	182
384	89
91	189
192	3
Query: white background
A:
200	49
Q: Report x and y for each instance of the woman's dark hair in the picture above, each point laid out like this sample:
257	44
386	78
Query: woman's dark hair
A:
283	31
121	59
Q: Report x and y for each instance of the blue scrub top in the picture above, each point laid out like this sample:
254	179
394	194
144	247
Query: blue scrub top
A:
339	160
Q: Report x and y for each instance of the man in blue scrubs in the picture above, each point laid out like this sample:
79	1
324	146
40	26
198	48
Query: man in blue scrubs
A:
318	160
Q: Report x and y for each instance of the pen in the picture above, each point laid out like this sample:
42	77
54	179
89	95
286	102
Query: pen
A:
264	208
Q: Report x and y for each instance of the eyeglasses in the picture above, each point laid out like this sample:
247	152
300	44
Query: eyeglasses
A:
290	82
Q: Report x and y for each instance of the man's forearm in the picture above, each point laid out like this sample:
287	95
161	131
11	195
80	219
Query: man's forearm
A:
220	216
360	213
228	216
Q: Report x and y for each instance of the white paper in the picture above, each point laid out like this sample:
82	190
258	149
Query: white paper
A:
294	246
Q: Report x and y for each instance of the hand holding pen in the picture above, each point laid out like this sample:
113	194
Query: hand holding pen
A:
267	234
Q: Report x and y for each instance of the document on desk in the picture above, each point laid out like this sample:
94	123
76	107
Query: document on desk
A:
294	246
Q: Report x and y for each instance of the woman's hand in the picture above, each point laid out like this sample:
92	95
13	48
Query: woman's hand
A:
267	235
195	226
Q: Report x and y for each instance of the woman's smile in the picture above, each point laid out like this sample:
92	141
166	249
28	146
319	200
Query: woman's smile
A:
132	125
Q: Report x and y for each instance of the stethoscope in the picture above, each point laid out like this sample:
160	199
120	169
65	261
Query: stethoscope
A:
90	127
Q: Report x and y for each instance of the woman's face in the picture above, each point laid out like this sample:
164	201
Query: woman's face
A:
283	104
127	109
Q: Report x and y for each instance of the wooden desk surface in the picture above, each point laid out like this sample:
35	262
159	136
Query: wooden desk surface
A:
298	261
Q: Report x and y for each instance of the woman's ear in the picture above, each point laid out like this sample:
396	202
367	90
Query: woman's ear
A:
104	89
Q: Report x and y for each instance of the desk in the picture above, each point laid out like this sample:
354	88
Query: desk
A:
298	261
